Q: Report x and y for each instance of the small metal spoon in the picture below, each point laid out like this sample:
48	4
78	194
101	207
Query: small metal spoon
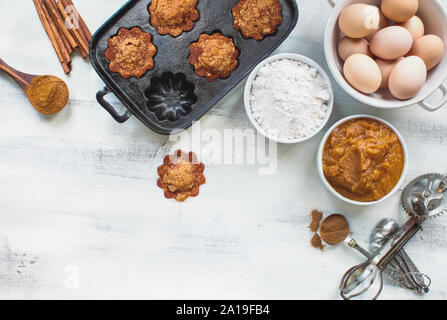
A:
412	278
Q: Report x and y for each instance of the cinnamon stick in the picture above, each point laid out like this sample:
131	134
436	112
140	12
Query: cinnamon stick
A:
59	38
79	36
83	26
60	23
66	43
73	15
62	56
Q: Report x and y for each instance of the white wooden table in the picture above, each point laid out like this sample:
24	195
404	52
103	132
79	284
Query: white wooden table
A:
81	215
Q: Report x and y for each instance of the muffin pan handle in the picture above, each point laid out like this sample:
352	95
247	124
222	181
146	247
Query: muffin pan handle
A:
120	118
332	3
433	107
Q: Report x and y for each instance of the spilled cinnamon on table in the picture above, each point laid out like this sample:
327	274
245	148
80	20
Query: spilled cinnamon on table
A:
316	218
314	225
316	242
65	28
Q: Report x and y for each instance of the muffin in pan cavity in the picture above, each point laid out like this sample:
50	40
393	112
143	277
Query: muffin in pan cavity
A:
214	56
257	18
173	16
131	53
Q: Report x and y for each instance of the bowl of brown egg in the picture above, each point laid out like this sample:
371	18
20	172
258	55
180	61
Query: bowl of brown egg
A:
389	53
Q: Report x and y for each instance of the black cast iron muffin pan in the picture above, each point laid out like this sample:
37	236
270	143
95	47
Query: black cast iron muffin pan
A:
171	96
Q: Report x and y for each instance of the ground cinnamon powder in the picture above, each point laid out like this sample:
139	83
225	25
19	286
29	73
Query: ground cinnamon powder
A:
316	242
47	94
334	229
316	218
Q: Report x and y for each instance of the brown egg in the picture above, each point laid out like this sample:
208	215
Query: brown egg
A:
359	20
429	48
383	23
407	78
385	66
348	46
362	73
399	10
415	26
391	43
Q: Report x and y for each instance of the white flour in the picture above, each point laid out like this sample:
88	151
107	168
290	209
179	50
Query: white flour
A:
289	99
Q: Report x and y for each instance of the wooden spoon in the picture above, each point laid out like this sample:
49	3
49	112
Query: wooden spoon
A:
22	79
25	81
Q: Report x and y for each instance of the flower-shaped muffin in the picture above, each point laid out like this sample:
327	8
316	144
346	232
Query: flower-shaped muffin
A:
181	176
213	56
257	18
173	16
170	96
131	53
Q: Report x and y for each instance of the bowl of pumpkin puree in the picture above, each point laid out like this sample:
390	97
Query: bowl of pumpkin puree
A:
362	160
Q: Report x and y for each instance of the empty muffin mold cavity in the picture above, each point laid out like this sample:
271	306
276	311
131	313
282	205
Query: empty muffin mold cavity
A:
170	96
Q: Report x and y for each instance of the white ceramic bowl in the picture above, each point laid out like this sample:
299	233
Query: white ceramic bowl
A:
435	21
320	160
291	56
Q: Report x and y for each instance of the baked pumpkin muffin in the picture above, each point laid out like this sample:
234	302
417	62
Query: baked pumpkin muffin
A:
173	16
257	18
181	176
131	53
213	56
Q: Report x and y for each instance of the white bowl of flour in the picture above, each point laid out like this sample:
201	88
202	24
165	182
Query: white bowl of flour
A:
288	98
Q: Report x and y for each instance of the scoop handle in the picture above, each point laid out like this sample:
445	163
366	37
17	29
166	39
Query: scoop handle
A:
22	79
353	244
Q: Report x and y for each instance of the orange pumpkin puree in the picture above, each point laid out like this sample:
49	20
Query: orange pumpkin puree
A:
363	160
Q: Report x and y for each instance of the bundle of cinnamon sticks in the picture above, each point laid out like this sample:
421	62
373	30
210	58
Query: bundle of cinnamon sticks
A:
65	28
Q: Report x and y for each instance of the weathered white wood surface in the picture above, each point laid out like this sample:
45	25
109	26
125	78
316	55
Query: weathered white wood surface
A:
78	193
